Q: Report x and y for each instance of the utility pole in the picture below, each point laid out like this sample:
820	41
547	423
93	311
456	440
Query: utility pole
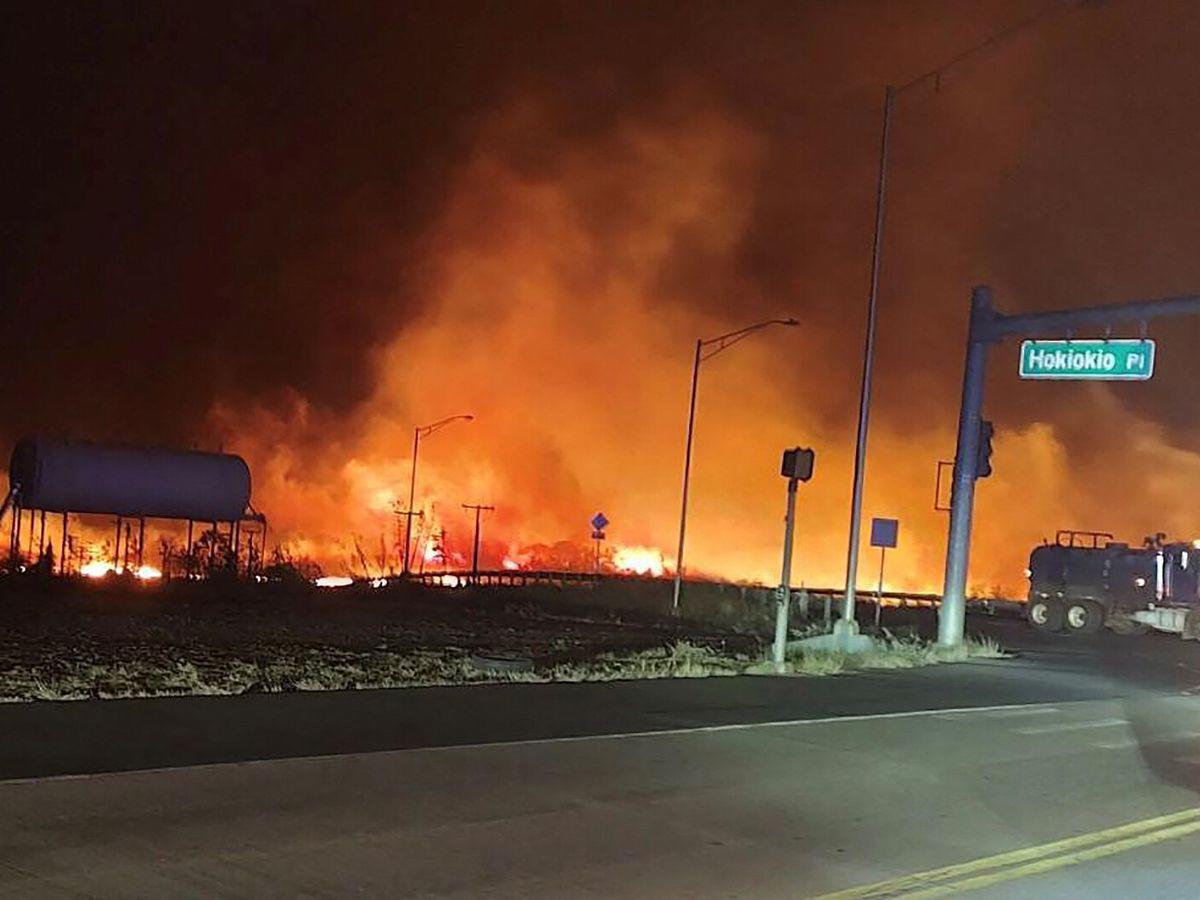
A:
407	515
479	508
62	546
989	327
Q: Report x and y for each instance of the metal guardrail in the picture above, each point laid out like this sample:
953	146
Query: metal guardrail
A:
454	579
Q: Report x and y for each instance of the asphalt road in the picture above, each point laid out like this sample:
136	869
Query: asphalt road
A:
728	787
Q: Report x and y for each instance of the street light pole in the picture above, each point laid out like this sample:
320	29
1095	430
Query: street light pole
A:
864	397
412	490
419	432
687	472
718	343
864	401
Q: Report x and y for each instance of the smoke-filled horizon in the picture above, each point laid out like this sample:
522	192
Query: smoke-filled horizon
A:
297	235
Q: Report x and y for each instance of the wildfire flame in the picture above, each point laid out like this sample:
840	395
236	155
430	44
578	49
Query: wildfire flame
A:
98	569
639	561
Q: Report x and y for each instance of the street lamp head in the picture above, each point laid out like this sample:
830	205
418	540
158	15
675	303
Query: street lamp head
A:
789	321
426	430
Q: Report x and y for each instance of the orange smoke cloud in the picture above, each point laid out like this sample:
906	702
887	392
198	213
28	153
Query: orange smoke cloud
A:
545	319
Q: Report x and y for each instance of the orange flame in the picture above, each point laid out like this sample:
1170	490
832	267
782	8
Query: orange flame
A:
639	561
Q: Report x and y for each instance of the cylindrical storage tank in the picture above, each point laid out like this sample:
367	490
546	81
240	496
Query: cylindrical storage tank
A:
81	477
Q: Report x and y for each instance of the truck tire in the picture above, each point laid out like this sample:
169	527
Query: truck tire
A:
1046	613
1083	617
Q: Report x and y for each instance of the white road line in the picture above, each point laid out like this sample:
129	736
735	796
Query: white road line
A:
1005	713
571	739
1135	741
1073	726
1123	744
741	726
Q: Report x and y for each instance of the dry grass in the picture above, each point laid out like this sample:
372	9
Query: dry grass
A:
678	660
306	669
327	669
894	653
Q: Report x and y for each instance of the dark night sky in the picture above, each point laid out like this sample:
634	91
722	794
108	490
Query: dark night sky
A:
189	198
195	194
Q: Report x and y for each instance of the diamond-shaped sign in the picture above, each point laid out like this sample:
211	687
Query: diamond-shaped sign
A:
599	522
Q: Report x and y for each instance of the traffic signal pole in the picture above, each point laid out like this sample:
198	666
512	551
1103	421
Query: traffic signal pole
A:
989	327
783	598
952	615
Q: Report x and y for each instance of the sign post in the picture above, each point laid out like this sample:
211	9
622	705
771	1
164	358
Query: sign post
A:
599	523
797	466
883	535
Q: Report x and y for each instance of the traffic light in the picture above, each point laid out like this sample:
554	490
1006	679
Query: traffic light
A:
798	463
983	457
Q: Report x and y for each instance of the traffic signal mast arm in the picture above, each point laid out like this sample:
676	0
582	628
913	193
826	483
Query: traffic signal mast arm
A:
991	326
988	327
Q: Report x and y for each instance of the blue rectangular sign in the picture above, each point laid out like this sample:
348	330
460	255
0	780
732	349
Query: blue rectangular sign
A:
884	532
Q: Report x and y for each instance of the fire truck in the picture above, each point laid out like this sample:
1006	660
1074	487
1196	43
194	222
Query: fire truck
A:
1086	581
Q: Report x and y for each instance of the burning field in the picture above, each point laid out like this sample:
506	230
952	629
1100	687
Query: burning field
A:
115	638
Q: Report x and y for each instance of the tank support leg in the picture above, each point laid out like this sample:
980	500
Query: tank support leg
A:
141	541
14	544
117	546
62	547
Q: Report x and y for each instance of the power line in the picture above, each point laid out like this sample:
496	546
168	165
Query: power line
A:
999	37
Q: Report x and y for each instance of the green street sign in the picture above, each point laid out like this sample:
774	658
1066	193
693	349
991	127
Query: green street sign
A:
1120	359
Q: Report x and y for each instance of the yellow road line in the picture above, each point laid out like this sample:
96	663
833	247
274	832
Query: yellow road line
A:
1146	831
1058	862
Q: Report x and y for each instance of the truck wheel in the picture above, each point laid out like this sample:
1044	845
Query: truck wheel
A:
1083	617
1046	614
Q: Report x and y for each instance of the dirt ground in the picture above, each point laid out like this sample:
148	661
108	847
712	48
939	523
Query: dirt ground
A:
70	639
